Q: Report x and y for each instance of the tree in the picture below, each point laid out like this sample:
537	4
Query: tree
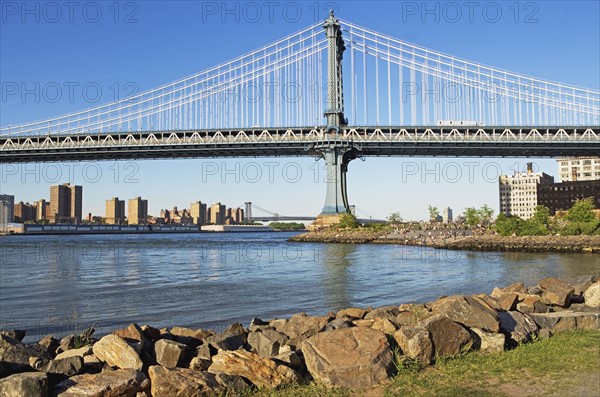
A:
394	219
472	216
485	213
581	211
433	213
541	215
348	221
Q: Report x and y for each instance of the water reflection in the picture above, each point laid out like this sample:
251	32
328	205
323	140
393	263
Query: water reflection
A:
336	260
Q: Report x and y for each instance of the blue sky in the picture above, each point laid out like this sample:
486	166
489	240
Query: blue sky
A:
148	43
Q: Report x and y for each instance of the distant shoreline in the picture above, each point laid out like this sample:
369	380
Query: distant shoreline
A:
45	230
557	244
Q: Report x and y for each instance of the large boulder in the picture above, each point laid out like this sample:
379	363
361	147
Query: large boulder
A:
518	327
468	311
448	337
415	342
266	343
119	383
177	382
355	357
114	351
170	354
592	295
261	371
28	384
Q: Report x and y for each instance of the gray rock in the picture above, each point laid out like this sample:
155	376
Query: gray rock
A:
17	357
301	326
557	294
566	321
581	283
68	366
227	340
233	383
266	343
170	354
415	342
291	359
468	311
29	384
518	327
199	364
338	323
487	341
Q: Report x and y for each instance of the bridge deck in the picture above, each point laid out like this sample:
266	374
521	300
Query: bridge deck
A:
497	141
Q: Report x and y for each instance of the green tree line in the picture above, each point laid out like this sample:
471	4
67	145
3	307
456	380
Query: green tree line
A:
579	220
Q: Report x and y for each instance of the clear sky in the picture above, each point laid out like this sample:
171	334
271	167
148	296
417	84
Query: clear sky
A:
98	51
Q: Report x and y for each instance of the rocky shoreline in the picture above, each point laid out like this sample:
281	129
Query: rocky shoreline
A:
558	244
354	348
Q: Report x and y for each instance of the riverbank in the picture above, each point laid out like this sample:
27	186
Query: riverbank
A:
558	244
355	350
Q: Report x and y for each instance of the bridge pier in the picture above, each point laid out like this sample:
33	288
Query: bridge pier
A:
337	156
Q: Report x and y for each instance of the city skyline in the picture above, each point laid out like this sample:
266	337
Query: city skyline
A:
286	186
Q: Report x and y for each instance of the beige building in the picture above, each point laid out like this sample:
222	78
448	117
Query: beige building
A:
198	213
217	214
138	211
42	210
66	203
571	169
115	211
518	192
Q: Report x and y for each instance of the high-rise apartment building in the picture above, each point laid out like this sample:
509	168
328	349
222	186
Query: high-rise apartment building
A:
24	212
7	203
66	203
217	214
115	211
447	215
198	213
519	192
137	212
579	169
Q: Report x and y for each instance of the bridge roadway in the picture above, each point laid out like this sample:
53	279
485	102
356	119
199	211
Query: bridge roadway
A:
464	141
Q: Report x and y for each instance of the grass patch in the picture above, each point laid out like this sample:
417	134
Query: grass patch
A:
554	366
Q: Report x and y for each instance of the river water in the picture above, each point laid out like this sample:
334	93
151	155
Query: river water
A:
61	284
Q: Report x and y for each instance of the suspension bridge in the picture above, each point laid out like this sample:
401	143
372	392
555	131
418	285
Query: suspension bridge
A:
290	98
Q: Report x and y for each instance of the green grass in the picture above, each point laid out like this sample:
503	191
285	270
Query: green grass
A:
568	364
552	366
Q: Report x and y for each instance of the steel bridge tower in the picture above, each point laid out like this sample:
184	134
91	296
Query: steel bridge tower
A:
337	153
